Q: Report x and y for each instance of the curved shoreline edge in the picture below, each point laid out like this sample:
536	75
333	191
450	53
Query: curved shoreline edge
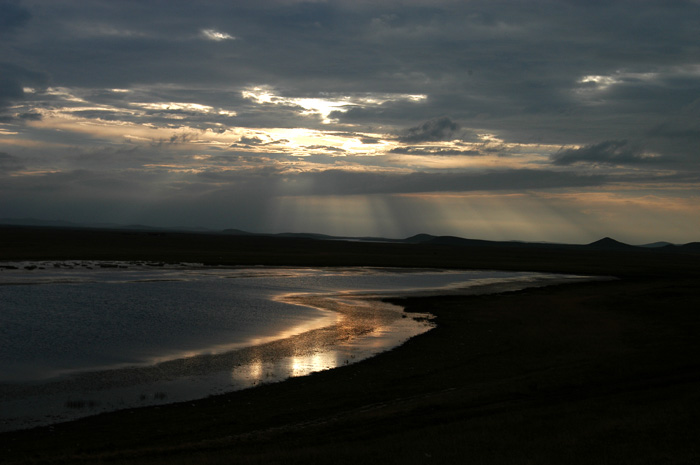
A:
348	340
366	325
87	393
575	373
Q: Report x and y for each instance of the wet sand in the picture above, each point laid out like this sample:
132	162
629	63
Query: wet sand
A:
598	372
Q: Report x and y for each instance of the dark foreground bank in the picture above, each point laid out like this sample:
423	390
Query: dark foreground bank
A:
599	372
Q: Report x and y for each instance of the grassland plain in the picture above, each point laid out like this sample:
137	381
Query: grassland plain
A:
596	372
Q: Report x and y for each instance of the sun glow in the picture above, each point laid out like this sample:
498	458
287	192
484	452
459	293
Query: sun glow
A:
324	107
216	36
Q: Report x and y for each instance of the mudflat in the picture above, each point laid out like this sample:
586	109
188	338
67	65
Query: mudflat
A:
595	372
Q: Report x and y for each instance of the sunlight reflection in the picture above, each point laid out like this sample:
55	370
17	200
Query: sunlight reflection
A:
304	365
364	326
254	370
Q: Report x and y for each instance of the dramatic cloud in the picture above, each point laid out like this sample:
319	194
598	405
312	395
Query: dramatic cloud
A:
431	131
13	80
614	152
551	113
433	151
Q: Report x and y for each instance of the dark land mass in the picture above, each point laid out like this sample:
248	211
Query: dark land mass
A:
596	372
605	256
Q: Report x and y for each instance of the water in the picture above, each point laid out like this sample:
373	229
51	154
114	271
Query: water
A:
79	338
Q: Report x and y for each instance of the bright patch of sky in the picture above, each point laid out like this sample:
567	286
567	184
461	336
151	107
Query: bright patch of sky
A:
212	34
324	106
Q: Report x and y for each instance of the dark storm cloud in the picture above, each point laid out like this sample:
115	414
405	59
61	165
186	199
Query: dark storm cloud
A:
257	141
251	140
438	129
29	116
612	152
265	180
515	65
248	143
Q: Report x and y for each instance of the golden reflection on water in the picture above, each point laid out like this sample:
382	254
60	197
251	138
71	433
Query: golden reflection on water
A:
258	371
302	366
363	326
255	370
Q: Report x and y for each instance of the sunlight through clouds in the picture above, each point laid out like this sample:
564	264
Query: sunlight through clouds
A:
457	118
184	107
336	215
323	107
212	34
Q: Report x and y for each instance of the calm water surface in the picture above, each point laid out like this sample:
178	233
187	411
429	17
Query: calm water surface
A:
79	338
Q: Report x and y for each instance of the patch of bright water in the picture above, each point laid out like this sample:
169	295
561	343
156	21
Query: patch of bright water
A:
80	338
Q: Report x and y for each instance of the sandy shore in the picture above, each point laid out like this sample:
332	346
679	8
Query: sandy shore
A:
599	372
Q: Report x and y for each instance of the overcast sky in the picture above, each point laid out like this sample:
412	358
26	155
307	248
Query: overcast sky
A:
560	121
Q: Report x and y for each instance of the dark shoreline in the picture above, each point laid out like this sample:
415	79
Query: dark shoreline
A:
599	372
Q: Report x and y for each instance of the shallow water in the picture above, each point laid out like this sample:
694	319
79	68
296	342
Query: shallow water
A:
84	337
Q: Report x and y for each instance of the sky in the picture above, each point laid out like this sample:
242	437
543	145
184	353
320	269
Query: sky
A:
538	120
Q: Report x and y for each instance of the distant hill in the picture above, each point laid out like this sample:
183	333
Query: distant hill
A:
689	247
610	244
605	243
322	237
238	232
419	239
454	240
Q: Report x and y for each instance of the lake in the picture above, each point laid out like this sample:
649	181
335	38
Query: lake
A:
83	337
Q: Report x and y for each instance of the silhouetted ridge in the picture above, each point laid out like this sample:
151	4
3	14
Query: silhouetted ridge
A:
656	245
689	247
454	240
320	237
609	243
606	243
237	232
419	238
